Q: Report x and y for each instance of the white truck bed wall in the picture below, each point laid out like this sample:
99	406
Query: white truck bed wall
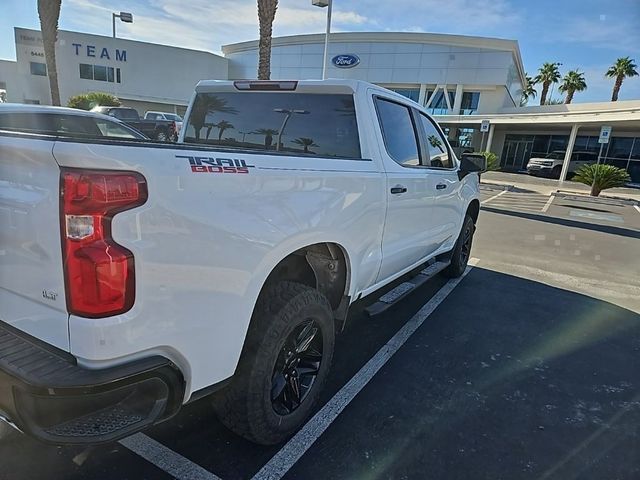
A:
32	295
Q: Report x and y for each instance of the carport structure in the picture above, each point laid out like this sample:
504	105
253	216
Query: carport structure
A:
517	134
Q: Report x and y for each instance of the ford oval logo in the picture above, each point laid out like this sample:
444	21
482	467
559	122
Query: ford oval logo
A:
345	61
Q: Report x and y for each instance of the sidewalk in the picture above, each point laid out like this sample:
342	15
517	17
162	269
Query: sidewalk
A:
547	186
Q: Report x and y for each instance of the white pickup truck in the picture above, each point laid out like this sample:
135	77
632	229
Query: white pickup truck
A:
137	276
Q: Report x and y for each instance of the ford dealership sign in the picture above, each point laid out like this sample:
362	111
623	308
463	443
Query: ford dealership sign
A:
345	61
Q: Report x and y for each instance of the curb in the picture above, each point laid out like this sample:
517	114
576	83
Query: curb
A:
602	199
496	186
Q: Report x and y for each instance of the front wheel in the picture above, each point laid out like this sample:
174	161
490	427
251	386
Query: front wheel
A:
462	251
283	366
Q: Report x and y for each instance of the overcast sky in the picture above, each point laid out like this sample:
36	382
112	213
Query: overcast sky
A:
584	34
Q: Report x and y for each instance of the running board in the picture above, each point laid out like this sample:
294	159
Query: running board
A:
394	296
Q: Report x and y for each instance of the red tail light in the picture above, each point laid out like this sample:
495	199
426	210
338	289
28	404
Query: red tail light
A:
99	273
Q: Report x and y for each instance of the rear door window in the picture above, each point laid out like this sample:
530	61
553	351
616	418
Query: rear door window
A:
398	132
322	125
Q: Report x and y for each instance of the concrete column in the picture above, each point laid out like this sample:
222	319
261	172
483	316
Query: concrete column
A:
423	93
457	100
492	128
567	154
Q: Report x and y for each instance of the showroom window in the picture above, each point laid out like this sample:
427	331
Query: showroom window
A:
38	68
398	132
411	93
438	105
469	103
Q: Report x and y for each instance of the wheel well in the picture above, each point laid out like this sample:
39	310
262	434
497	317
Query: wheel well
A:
322	266
473	210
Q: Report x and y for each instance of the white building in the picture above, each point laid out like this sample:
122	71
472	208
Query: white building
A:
144	75
459	79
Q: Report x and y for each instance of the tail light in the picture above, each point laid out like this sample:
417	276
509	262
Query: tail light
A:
99	273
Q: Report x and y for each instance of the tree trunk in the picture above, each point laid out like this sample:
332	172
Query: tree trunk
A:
266	15
49	13
616	88
595	190
543	95
569	97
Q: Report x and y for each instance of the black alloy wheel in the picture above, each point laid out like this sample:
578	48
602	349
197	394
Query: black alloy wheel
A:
297	367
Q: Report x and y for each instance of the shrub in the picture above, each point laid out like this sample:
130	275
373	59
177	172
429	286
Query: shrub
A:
492	161
87	101
601	176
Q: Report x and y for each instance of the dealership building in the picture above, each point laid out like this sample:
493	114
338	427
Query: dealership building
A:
461	80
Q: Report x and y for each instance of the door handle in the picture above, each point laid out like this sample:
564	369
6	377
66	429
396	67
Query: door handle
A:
398	189
441	186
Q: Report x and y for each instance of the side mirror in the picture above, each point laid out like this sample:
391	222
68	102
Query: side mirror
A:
472	163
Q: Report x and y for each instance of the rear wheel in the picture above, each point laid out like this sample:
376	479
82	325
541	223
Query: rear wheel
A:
162	136
555	172
462	250
283	367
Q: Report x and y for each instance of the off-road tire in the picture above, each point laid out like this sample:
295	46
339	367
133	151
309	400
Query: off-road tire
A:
459	258
245	406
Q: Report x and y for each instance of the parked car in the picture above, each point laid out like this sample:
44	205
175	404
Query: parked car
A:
551	165
64	122
145	278
161	130
165	116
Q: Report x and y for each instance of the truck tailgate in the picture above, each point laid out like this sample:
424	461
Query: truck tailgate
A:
32	295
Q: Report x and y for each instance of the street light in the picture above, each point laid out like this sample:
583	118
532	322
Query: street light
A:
325	3
287	116
125	17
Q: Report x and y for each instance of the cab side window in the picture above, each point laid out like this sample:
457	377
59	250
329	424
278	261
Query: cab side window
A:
398	132
439	156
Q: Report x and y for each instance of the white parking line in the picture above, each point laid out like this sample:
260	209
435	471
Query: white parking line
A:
637	208
495	196
166	459
282	461
548	204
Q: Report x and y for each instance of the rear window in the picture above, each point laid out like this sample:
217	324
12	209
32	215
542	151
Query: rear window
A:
295	123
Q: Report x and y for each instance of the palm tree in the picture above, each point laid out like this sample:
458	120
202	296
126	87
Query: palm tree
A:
266	15
528	91
204	105
624	67
572	82
49	13
548	73
268	135
222	126
305	142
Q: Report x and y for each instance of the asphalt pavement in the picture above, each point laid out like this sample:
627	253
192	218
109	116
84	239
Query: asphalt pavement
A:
526	368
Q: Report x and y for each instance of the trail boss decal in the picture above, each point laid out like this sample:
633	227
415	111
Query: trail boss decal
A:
217	165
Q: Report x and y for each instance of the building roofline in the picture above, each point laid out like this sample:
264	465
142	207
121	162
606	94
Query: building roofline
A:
125	40
489	43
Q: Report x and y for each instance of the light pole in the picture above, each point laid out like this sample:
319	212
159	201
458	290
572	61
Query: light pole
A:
329	4
125	17
287	116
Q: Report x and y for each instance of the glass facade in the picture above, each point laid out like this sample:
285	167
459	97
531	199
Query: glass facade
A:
412	93
99	72
438	105
470	101
623	152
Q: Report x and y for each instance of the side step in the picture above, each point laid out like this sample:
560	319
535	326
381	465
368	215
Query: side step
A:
394	296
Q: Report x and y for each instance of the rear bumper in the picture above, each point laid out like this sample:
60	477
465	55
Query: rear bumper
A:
49	397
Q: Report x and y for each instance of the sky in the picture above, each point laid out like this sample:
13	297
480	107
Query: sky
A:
585	34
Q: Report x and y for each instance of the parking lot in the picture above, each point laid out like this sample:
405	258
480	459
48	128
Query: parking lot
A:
527	367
